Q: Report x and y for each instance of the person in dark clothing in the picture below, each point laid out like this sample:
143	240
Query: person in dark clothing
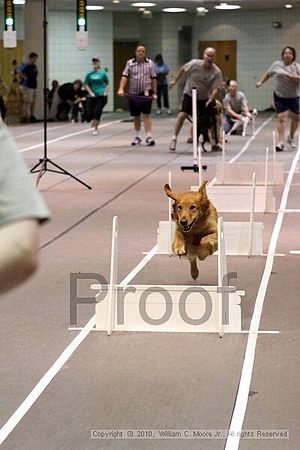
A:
3	93
68	97
50	92
29	74
79	105
162	70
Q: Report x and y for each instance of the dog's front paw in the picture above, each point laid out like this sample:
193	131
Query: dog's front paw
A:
179	250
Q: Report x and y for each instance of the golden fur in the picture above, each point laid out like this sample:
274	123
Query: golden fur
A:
196	220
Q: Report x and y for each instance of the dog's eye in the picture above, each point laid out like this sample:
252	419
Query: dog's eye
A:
179	207
193	207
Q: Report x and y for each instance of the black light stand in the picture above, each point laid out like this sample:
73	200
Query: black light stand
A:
43	165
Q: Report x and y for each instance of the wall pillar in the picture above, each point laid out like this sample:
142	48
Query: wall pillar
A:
34	42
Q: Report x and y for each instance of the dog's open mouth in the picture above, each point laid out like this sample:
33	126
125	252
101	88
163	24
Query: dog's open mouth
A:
187	228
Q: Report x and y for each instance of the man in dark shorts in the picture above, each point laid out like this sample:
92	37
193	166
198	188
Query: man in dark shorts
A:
286	94
206	77
142	79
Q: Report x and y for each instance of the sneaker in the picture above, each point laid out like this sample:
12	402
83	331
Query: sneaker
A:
216	148
150	141
33	119
279	147
169	112
189	140
291	142
158	112
95	133
173	143
136	141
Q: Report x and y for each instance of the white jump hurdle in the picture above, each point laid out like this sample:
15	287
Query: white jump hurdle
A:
169	308
239	198
240	173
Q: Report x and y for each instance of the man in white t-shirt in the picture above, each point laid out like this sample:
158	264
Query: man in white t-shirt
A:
206	77
236	107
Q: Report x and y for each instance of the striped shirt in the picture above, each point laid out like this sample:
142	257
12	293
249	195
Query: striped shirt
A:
140	75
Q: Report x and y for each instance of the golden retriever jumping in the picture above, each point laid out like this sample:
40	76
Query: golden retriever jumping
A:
196	220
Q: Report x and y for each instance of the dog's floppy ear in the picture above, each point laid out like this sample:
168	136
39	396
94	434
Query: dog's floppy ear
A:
170	193
202	189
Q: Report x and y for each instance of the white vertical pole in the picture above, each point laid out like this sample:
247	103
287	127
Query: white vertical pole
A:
194	109
266	177
222	271
170	219
223	157
274	157
113	277
199	165
252	215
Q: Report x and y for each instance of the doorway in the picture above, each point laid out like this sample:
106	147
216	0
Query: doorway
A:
225	58
122	52
7	55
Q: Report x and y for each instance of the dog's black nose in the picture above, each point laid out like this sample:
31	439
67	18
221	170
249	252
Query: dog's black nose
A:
183	222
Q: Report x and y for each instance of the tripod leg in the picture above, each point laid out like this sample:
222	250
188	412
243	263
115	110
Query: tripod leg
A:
62	170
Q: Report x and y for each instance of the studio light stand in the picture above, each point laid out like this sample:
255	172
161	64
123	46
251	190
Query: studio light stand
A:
43	165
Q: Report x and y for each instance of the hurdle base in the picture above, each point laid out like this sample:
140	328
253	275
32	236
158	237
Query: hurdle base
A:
194	168
165	311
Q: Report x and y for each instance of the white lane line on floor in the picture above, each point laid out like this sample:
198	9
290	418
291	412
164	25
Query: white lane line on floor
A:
289	210
259	129
232	160
40	130
39	388
239	412
66	136
294	252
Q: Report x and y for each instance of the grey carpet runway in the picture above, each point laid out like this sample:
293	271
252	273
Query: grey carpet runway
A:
143	381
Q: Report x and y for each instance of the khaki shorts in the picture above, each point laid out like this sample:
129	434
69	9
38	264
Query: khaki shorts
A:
28	95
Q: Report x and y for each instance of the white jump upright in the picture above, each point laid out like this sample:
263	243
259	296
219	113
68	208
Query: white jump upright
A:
197	156
113	276
169	308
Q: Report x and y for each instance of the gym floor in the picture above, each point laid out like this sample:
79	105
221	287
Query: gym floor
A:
51	398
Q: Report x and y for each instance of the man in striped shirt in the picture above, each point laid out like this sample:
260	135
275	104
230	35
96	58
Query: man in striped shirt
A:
142	90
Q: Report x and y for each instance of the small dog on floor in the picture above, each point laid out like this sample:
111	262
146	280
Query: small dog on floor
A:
244	123
196	218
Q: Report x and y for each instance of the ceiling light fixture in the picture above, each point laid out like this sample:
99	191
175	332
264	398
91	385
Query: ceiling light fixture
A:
226	6
174	10
94	8
19	2
288	6
116	1
143	4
